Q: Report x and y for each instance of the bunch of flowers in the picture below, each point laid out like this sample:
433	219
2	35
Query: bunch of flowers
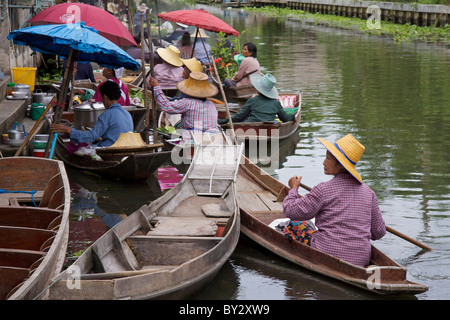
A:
225	63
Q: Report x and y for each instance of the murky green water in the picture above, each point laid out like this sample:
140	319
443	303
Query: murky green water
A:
395	98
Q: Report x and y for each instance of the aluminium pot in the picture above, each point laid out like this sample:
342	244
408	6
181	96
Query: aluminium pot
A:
42	97
86	115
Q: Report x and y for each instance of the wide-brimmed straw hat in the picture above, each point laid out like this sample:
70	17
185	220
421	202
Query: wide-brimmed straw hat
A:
171	55
142	7
347	151
197	86
129	139
265	84
193	64
201	34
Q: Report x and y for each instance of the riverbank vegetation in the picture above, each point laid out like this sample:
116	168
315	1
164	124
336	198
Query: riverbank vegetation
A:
400	33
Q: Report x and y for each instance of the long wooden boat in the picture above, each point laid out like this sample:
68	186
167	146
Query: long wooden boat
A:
269	130
169	248
34	225
260	201
132	166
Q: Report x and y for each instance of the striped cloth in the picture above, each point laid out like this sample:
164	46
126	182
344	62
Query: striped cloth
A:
197	114
346	214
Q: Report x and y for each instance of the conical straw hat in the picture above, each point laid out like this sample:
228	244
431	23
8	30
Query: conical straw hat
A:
197	86
347	151
129	139
171	55
193	64
201	34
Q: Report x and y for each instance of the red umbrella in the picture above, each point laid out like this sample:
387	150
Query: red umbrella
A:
201	19
105	23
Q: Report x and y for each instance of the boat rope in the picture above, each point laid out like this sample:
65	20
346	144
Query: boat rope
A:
30	192
46	288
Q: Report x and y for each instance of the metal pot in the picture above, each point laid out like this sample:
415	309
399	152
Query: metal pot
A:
42	97
16	137
23	88
86	115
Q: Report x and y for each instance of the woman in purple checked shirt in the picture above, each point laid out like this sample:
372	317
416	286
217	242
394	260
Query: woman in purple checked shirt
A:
345	209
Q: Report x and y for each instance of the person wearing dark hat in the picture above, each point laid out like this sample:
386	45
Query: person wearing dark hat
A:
264	106
198	114
345	209
110	124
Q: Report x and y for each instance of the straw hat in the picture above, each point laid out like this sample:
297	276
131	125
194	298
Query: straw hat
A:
193	64
197	86
265	84
142	7
201	34
129	139
171	55
347	151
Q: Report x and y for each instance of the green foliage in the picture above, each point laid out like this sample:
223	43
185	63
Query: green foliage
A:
400	33
224	56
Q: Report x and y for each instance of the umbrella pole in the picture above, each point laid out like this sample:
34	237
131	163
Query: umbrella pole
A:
152	65
144	79
195	41
61	97
226	103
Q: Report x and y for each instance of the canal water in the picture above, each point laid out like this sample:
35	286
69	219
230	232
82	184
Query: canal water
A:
394	98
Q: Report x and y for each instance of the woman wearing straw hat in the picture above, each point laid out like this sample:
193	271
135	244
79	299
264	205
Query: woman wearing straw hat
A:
264	106
197	112
345	209
202	48
170	71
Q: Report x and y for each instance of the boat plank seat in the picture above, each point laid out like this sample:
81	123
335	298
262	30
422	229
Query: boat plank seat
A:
169	250
19	258
192	206
11	278
28	217
174	226
24	238
13	199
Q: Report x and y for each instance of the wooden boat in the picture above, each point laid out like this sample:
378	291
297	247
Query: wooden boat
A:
169	248
260	201
131	166
269	130
33	239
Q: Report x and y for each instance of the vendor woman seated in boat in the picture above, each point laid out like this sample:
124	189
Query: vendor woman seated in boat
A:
249	65
110	124
114	75
345	209
198	114
264	106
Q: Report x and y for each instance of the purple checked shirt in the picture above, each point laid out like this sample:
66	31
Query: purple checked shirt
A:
197	114
346	213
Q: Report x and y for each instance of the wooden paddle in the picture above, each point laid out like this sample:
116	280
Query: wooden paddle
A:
393	231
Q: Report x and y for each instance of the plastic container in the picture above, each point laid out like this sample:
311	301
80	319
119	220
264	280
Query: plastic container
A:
24	75
39	145
11	88
5	138
37	109
39	153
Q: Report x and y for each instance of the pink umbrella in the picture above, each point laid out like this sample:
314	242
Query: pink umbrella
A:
105	23
201	19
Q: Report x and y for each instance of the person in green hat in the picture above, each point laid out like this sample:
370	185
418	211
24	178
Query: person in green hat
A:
264	106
